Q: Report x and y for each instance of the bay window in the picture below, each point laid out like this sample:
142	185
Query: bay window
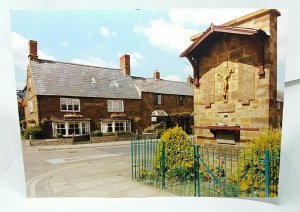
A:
115	126
70	128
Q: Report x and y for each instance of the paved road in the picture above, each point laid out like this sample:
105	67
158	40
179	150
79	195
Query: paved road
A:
100	170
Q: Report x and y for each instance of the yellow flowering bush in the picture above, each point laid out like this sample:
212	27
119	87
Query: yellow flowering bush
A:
251	170
179	158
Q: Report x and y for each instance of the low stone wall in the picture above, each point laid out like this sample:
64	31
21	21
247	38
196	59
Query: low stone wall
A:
109	138
51	142
69	141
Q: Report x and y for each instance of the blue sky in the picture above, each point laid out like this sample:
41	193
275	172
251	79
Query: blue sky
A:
153	38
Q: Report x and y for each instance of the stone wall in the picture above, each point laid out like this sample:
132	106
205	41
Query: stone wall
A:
70	141
51	142
250	100
109	138
32	118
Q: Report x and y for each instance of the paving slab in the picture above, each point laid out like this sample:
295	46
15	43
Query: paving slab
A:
99	178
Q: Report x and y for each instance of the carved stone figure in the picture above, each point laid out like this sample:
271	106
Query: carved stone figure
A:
225	81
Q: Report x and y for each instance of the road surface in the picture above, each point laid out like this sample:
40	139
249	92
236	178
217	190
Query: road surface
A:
83	171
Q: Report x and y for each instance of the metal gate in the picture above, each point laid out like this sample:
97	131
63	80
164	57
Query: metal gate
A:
205	170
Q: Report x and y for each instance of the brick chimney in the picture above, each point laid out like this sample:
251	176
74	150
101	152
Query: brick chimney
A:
125	64
32	48
189	79
156	75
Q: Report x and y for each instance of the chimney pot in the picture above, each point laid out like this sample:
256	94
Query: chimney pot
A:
125	64
33	51
156	75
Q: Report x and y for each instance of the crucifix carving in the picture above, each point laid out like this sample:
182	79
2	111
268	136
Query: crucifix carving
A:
225	78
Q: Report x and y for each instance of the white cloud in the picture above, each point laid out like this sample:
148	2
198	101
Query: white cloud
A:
64	43
105	32
20	52
172	77
174	33
205	16
135	58
93	61
43	55
167	35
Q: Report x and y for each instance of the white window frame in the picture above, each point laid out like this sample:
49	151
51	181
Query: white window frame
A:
69	102
126	125
158	99
115	106
81	125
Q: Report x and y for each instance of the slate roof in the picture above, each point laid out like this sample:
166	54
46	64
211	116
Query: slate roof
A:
163	86
68	79
159	113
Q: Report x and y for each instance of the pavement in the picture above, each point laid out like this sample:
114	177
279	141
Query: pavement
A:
101	175
72	146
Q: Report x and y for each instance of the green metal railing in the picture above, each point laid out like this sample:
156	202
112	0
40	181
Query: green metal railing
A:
206	170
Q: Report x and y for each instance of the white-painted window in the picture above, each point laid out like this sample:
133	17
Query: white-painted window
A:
67	104
85	128
30	106
116	126
158	99
70	128
115	106
60	128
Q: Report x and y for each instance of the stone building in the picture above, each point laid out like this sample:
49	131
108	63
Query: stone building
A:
74	99
235	78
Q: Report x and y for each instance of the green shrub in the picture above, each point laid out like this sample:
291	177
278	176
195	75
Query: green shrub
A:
97	133
159	133
252	175
125	133
59	135
34	131
178	153
109	134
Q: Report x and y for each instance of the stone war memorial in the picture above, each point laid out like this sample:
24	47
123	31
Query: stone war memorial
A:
235	79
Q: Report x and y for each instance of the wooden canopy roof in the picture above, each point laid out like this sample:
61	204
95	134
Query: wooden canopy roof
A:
212	33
